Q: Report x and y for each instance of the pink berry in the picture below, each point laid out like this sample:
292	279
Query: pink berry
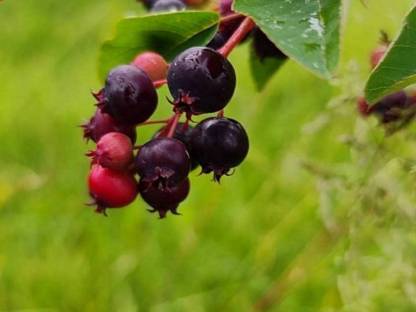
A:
114	151
110	188
378	54
153	64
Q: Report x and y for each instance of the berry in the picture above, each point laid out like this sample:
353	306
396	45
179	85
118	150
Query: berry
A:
102	123
110	188
226	7
391	107
182	133
264	48
363	107
114	151
153	64
163	162
201	80
129	95
164	200
219	144
378	54
147	3
168	5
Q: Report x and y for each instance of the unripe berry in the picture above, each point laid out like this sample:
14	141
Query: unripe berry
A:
102	123
378	54
129	95
201	80
164	200
219	144
110	188
153	64
168	6
114	151
163	162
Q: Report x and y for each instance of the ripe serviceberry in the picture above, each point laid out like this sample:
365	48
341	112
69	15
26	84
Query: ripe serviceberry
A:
201	80
168	5
264	48
163	162
111	188
391	108
153	64
114	151
129	95
195	2
102	123
182	133
219	144
164	200
226	7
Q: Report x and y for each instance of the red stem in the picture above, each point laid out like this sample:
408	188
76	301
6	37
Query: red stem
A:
246	26
159	83
220	114
173	125
230	17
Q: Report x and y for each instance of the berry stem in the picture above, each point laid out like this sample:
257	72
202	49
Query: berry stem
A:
153	122
246	26
174	124
230	18
159	83
220	114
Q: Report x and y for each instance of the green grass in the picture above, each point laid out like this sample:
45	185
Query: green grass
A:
319	218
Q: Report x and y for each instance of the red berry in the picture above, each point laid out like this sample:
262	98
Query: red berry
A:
110	188
164	200
102	123
153	64
378	54
114	151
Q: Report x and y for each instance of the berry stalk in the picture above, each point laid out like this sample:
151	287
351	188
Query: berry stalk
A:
159	83
154	122
246	26
173	125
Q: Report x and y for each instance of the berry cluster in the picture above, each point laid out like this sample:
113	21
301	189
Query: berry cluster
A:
398	107
169	5
201	81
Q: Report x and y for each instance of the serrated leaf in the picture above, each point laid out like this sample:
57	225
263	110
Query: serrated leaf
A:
398	68
307	31
167	34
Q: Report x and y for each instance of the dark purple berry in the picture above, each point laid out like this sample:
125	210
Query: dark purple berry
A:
147	3
391	107
168	6
129	95
182	133
264	48
164	200
219	144
201	80
226	7
163	162
102	123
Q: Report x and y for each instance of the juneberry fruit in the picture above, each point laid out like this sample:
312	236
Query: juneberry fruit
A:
378	54
114	151
164	200
219	144
163	162
226	7
129	95
148	3
102	123
111	188
201	80
391	107
168	5
182	133
264	48
153	64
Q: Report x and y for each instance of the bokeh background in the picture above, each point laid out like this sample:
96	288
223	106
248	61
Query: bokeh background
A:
320	217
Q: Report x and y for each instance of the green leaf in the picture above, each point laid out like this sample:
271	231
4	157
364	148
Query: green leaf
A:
263	70
167	34
398	68
307	31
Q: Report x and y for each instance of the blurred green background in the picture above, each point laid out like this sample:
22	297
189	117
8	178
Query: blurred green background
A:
321	216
